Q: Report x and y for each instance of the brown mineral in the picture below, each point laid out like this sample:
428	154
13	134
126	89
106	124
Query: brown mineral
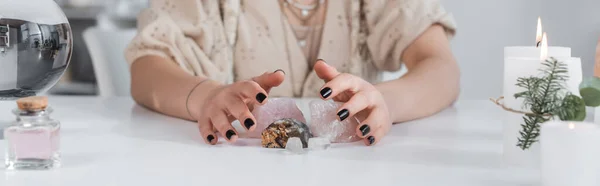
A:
277	134
273	110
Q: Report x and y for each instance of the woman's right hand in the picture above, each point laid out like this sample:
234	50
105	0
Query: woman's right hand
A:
228	103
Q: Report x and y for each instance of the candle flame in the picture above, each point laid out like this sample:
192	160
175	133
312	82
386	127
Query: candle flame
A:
571	125
538	35
544	47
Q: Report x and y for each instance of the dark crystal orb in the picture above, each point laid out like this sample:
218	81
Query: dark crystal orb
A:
35	47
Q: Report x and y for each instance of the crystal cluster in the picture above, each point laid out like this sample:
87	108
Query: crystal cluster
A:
294	145
275	109
277	134
292	134
325	123
318	143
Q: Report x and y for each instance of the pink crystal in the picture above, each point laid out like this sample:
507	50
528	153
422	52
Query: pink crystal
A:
325	124
275	109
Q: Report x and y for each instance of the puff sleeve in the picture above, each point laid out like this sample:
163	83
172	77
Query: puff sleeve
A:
189	32
393	25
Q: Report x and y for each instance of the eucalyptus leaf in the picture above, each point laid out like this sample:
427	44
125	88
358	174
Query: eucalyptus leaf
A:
572	109
590	91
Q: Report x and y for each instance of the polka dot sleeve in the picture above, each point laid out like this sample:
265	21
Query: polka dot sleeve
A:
392	30
188	32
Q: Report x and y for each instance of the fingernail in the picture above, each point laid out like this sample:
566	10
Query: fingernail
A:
229	134
260	97
343	114
326	92
279	70
248	123
210	138
371	140
322	60
365	129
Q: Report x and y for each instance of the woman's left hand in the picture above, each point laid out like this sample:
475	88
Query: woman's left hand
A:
361	100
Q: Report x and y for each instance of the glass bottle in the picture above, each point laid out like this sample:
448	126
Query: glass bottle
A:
33	139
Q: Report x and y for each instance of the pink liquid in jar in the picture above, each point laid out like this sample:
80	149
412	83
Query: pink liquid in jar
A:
41	143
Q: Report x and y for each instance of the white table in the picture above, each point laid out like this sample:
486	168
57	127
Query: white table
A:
112	141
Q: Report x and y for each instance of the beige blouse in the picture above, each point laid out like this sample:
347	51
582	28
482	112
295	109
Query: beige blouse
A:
231	40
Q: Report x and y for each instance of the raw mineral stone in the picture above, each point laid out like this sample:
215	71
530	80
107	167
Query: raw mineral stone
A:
318	143
325	123
273	110
294	145
277	134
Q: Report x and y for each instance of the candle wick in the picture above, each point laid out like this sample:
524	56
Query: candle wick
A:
538	44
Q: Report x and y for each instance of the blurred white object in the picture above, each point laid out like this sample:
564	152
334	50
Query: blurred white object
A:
107	22
596	115
106	49
40	12
120	14
394	75
569	153
61	2
318	143
83	3
294	145
124	9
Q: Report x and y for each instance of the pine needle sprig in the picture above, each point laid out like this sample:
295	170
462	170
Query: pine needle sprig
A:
530	130
543	96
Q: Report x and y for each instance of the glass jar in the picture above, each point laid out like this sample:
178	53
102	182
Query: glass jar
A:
32	140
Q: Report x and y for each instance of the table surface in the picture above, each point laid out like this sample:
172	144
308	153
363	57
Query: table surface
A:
113	141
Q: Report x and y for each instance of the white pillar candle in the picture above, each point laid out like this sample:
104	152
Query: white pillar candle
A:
515	68
597	115
527	67
570	154
534	52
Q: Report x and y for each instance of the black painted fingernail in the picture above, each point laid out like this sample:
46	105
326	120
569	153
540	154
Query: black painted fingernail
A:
260	97
343	114
371	140
248	123
210	138
326	92
279	70
365	129
229	134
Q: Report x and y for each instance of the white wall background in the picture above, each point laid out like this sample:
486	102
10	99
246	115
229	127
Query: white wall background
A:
575	24
485	27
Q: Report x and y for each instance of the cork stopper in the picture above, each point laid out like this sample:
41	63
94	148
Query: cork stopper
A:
33	103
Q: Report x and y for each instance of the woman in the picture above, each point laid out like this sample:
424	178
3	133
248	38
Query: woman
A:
211	61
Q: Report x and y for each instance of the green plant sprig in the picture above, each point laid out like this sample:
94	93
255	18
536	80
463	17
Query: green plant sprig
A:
547	98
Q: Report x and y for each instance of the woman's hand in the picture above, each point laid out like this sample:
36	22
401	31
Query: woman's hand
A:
228	103
361	100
